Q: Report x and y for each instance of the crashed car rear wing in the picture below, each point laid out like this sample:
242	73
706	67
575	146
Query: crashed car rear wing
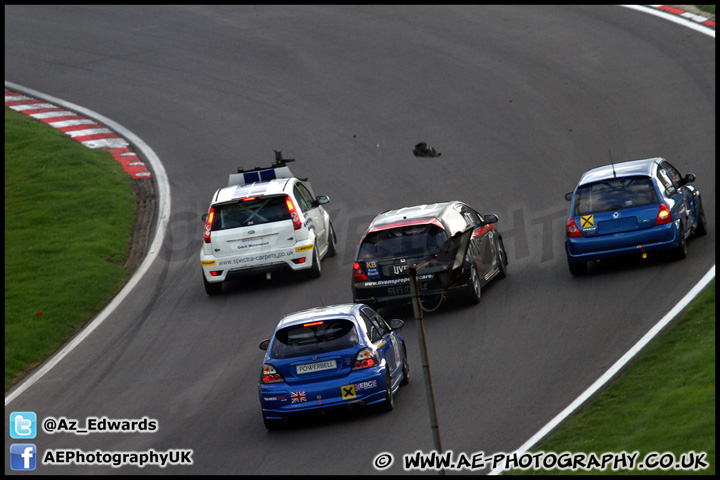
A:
279	169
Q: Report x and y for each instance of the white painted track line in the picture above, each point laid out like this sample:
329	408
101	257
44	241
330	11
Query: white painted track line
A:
163	210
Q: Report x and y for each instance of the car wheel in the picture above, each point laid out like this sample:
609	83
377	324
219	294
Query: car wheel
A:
315	269
502	260
680	251
389	402
474	286
405	370
577	268
272	423
212	288
332	241
701	228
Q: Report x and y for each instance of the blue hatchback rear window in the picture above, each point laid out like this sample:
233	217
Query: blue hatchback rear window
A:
615	194
314	338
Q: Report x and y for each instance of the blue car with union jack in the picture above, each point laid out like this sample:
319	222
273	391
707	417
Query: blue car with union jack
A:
632	208
340	356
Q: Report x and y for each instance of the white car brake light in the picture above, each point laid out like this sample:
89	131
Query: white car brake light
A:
297	225
208	224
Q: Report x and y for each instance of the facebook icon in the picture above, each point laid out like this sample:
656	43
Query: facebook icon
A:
22	456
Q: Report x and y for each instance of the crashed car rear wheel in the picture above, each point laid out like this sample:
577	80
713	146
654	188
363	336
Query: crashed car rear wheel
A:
474	288
502	260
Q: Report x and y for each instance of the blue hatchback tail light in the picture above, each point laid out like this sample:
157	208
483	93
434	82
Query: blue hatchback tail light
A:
663	215
270	375
365	358
572	229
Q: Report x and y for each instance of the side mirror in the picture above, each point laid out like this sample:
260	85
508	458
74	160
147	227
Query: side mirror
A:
490	218
568	196
322	199
396	324
689	178
204	217
264	344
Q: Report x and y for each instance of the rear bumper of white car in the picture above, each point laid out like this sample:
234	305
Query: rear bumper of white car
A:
298	257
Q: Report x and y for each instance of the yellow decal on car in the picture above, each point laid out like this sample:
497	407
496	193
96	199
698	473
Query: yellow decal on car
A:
302	249
348	391
587	221
207	263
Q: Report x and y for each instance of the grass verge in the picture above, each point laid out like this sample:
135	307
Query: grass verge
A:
707	8
69	214
663	404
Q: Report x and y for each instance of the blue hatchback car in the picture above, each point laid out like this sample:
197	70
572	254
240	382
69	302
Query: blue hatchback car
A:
331	357
632	208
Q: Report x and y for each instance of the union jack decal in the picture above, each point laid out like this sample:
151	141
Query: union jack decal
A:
297	397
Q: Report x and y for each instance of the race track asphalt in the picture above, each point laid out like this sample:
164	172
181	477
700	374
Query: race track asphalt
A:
519	100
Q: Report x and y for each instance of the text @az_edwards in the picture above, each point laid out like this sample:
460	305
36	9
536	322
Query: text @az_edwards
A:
53	425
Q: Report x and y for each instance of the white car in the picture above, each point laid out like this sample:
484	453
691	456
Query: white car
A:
265	220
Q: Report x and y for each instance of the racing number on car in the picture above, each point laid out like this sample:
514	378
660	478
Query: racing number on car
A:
587	221
348	391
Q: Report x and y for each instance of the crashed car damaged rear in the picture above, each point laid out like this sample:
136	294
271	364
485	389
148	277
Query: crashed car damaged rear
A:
398	239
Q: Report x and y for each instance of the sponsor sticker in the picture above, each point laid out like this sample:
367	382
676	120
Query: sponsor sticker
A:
316	367
373	271
276	398
302	249
366	385
207	263
348	391
298	397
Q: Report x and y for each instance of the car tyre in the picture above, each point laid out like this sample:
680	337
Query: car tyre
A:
474	286
389	403
405	371
212	288
315	270
577	268
701	228
272	423
332	242
502	260
680	251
